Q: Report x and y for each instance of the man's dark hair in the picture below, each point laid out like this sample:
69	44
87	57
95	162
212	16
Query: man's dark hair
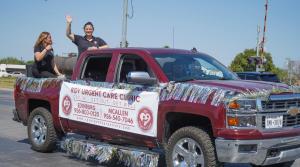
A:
88	23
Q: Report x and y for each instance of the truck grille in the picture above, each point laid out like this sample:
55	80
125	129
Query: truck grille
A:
281	107
273	106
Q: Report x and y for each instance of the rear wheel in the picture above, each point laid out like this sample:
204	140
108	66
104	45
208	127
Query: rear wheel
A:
41	132
191	146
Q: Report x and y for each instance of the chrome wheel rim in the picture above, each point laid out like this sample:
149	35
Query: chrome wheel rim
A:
187	152
38	130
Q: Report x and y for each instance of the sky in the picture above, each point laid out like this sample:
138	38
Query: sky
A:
220	28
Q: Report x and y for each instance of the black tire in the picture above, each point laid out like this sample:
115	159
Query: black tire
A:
283	164
200	137
49	139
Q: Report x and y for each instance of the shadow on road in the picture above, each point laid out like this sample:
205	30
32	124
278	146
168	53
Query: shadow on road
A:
26	141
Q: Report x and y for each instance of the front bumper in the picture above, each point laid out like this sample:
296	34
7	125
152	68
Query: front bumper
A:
258	152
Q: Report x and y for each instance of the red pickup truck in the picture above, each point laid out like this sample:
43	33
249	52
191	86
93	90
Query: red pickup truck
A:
184	102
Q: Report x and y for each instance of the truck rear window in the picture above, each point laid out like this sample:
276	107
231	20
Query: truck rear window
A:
95	68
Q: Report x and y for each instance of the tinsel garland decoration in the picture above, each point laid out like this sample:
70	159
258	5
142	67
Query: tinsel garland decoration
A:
107	154
264	94
193	93
37	84
187	92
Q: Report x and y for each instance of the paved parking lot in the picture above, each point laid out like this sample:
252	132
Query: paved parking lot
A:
15	150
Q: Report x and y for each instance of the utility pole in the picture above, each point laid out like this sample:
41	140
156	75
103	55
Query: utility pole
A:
257	47
124	43
264	36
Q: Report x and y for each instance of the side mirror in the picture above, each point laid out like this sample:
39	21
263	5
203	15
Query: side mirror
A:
140	77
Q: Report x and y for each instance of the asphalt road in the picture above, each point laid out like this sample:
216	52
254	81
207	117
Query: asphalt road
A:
14	147
15	150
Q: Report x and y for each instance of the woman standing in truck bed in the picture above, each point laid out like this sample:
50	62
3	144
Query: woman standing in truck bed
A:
86	42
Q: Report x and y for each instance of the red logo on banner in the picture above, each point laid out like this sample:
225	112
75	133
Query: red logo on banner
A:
145	119
67	105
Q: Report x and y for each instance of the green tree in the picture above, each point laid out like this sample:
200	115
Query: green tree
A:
241	64
11	60
282	74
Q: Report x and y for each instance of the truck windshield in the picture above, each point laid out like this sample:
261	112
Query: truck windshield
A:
184	67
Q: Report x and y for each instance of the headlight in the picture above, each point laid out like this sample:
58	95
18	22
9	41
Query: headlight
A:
241	113
242	121
242	105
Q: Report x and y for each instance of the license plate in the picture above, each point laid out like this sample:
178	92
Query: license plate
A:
274	121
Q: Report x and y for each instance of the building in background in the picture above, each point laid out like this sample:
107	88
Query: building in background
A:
13	68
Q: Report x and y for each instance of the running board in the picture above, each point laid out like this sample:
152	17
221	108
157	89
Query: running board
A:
111	155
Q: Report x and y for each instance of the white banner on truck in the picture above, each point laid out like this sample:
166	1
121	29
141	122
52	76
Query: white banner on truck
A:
125	110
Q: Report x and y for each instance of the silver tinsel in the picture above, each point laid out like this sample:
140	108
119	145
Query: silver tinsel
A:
125	86
187	92
93	83
192	93
106	154
29	84
264	93
219	96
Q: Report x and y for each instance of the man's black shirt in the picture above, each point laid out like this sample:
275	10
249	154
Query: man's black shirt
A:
83	44
46	63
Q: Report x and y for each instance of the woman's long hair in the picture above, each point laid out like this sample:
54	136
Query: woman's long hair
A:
41	38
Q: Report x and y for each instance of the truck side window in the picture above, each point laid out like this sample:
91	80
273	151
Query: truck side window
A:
131	63
96	67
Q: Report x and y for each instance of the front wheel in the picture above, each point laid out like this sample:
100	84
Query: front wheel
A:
41	132
191	146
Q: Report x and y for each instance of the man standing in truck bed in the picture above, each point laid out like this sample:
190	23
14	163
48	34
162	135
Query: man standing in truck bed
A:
86	42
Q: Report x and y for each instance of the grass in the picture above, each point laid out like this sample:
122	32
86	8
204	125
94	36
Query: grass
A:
7	82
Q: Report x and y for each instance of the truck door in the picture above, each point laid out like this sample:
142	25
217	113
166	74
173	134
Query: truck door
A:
82	95
145	121
119	111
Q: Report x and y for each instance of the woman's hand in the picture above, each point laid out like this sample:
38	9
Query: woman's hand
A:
48	47
92	48
41	55
102	47
69	19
